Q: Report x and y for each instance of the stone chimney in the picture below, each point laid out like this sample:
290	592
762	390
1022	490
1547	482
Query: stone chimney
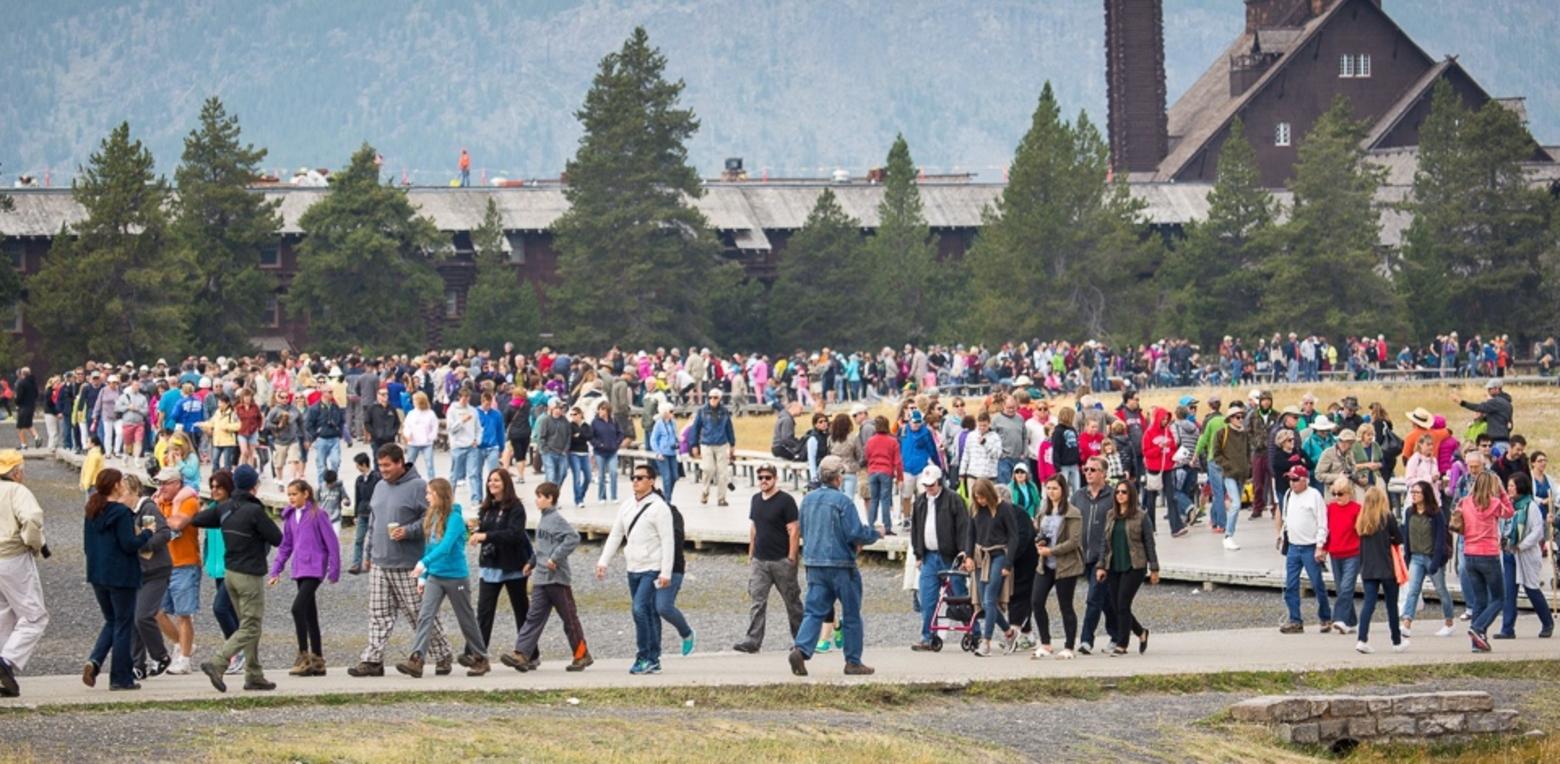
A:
1135	84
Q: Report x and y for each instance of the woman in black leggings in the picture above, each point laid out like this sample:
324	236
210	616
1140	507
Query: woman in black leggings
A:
1127	559
503	554
1059	544
310	542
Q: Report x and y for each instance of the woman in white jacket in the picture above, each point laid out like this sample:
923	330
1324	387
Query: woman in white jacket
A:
982	450
420	429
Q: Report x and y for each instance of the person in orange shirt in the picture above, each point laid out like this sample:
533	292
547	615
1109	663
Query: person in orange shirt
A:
182	602
465	169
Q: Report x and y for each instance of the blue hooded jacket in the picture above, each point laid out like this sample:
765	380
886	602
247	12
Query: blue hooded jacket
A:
917	448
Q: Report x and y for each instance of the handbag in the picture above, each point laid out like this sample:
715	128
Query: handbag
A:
1399	570
1455	523
1154	481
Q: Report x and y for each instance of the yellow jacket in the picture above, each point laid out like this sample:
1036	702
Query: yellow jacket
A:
223	427
91	467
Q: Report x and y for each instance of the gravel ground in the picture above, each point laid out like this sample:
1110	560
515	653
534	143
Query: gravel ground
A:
714	598
1116	728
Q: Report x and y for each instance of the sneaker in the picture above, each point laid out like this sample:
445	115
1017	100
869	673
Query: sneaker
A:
355	570
124	687
652	667
1025	642
1504	635
366	669
1065	655
1464	616
745	647
688	641
8	686
984	650
839	638
1230	545
1363	648
159	666
1406	628
857	669
1010	644
1480	644
824	645
1086	648
1347	629
704	498
236	665
638	668
798	662
214	673
260	684
1293	627
1179	533
922	647
1043	651
1400	646
578	664
1445	631
1547	633
1326	626
723	503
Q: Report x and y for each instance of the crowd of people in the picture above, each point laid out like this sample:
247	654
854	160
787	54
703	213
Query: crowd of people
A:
1008	497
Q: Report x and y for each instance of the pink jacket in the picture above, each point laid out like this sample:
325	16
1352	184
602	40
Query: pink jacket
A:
1421	469
1481	526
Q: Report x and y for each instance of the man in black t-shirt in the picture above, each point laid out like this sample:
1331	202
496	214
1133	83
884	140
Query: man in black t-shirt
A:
774	541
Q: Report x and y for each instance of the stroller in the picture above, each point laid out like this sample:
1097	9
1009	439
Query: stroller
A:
954	614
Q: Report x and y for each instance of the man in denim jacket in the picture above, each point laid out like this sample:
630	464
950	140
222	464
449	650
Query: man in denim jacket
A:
832	535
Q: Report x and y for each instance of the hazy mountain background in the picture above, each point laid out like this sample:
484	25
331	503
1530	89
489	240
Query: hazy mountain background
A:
795	86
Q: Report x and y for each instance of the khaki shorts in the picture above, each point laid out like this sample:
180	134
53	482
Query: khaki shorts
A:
908	486
288	453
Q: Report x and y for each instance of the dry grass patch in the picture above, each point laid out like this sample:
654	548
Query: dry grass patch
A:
589	740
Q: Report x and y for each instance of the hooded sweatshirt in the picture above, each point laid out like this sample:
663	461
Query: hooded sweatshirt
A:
111	543
402	501
1158	442
309	541
555	540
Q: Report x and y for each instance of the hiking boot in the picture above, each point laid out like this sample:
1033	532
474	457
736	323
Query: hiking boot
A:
579	663
479	666
412	666
261	684
316	666
365	668
444	667
466	659
300	665
798	662
857	669
1293	627
515	661
214	673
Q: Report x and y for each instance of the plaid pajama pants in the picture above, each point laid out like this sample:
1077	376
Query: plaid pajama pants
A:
392	594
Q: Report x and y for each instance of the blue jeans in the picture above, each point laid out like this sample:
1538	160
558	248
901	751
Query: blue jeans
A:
1388	591
222	609
990	598
1216	511
554	466
413	453
490	455
328	451
1346	571
1096	603
1418	571
929	586
579	473
1232	515
850	482
1484	592
118	607
825	586
666	607
462	459
668	466
1508	619
1005	472
880	489
606	467
1303	557
361	523
647	622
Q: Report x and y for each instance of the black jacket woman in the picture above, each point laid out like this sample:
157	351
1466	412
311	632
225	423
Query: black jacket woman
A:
1059	545
1379	533
989	553
503	554
1128	557
112	548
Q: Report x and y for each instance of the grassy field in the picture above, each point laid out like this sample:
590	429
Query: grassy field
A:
1537	408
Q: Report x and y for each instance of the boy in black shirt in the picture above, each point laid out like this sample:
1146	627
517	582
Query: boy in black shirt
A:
362	492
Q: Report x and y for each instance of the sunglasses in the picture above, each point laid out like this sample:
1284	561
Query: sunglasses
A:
638	478
1340	494
1297	480
766	477
1091	469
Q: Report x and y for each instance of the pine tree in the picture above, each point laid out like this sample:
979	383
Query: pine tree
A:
634	258
1061	253
904	299
112	288
821	276
1472	254
365	270
224	227
499	306
1326	275
1212	278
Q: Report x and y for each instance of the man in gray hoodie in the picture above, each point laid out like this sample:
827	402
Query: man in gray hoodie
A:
550	588
393	549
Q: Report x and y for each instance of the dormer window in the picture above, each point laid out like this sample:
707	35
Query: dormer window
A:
1352	66
1281	134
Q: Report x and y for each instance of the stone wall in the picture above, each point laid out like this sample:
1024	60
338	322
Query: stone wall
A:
1420	717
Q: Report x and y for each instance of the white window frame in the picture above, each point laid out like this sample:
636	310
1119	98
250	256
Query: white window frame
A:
1362	66
1281	134
1345	66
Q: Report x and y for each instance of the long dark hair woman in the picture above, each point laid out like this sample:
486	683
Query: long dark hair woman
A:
1059	543
1129	556
990	552
1427	546
112	549
503	555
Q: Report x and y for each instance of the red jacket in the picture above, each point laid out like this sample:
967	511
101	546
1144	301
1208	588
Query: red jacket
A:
1342	539
1158	442
883	455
